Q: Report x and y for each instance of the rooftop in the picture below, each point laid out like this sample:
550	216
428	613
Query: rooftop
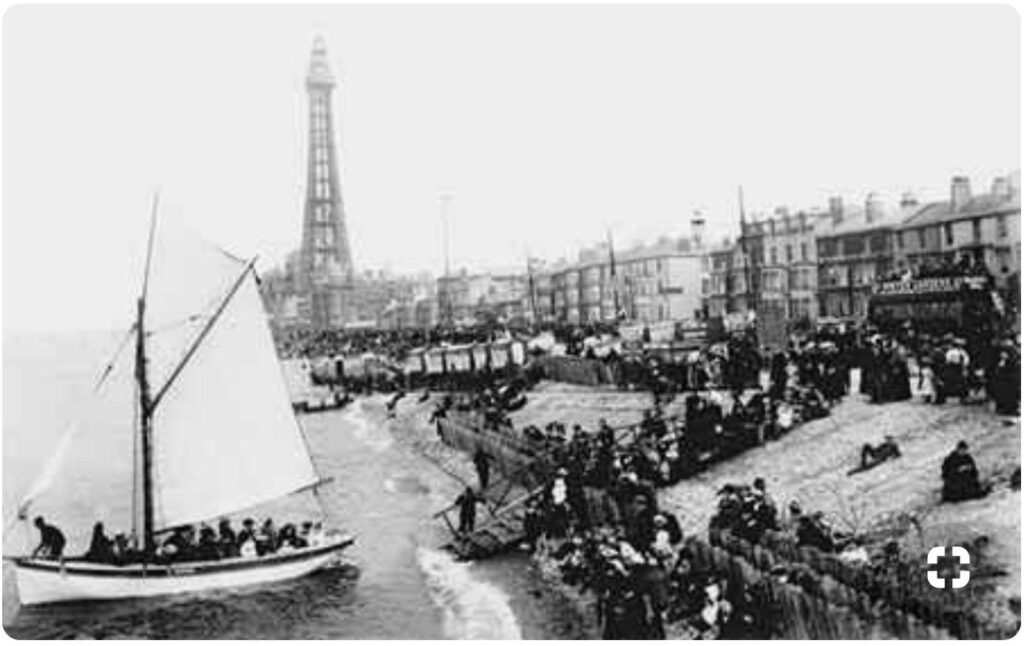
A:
980	205
854	220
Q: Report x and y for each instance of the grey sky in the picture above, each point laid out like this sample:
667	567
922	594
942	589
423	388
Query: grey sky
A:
547	123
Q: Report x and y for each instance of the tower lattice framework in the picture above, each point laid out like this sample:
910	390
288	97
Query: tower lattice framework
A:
326	258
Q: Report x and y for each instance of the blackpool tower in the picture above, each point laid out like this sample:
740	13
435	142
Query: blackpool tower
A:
325	275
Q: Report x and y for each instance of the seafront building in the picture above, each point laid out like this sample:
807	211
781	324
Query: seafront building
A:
817	263
854	250
985	226
644	283
464	298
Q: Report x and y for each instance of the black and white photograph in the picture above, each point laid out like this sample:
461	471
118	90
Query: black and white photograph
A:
511	321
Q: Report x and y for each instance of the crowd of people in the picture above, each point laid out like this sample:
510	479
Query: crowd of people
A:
187	543
616	542
964	265
603	529
598	518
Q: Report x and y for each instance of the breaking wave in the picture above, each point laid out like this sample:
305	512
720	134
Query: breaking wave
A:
472	609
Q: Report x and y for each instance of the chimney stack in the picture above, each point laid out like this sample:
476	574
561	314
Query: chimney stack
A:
1001	187
908	200
872	208
959	192
835	209
697	223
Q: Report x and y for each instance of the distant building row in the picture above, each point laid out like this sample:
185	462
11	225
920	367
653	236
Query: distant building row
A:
802	265
823	263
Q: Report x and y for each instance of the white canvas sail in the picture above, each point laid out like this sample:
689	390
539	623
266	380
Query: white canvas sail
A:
224	436
189	279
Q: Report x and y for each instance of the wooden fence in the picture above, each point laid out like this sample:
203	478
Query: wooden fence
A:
791	612
906	599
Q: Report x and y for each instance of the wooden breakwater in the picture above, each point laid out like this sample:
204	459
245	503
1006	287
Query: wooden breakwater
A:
789	611
905	605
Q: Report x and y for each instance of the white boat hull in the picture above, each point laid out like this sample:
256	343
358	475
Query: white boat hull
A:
41	582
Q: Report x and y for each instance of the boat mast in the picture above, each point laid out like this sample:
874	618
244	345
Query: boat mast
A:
145	407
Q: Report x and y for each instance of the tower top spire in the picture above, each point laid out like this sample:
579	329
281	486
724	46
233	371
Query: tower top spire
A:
319	70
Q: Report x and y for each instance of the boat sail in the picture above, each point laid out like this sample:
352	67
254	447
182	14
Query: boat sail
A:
216	433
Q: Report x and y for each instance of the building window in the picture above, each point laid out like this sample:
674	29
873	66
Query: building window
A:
789	253
774	258
899	239
920	239
1001	226
878	243
853	246
948	229
976	229
803	251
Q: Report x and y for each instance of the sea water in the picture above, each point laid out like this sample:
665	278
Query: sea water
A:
399	582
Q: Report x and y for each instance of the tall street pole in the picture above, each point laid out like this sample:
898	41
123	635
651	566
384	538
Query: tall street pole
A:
446	199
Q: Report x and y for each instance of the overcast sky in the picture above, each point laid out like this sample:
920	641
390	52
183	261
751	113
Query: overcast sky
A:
547	124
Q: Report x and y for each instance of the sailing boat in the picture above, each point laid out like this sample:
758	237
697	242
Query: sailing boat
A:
214	435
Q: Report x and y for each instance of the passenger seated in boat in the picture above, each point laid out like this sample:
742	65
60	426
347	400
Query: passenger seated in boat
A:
168	550
228	540
208	549
178	546
248	530
51	541
288	539
120	550
247	534
307	528
100	547
266	539
248	549
247	539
